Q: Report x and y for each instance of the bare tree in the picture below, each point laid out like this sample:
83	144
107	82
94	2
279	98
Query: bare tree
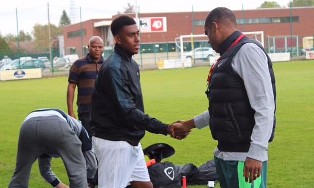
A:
129	9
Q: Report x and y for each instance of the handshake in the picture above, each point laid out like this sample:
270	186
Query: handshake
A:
180	129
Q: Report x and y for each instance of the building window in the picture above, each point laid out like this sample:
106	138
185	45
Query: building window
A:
271	20
198	22
75	34
156	48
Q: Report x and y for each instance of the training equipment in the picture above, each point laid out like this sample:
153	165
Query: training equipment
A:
159	151
164	174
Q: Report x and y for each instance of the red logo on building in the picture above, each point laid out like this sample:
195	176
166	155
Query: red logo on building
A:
157	24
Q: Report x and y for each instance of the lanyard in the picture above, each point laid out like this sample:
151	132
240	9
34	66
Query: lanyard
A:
218	60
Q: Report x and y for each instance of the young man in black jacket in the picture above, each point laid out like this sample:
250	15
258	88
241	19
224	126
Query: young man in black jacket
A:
118	113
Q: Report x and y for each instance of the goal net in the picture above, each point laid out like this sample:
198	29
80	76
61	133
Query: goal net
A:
257	35
187	43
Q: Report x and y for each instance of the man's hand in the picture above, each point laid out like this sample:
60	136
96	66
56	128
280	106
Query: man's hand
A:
252	169
72	114
62	185
178	130
91	185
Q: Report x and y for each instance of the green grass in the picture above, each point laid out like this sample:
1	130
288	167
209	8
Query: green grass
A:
178	94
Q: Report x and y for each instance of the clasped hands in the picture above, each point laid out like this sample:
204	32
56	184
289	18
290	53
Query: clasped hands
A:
179	130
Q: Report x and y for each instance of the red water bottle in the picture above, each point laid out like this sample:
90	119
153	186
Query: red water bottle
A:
184	182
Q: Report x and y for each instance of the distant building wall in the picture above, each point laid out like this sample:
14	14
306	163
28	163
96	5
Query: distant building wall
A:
274	22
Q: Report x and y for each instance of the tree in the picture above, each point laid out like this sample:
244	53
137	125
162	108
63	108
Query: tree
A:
4	48
129	9
24	36
301	3
64	19
269	4
10	37
41	37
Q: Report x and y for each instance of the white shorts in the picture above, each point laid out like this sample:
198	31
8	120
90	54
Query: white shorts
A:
119	163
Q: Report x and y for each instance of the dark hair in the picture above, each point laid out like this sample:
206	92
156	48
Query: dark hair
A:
118	23
220	14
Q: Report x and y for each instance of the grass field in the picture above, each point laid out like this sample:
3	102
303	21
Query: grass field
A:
178	94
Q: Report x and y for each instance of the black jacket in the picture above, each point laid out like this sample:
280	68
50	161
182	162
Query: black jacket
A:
231	115
117	103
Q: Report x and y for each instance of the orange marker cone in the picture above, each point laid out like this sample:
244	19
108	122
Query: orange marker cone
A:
150	162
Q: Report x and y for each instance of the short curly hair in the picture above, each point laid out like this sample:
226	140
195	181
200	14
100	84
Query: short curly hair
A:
118	23
220	14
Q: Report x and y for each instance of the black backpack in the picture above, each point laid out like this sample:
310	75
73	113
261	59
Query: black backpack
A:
206	172
162	174
166	174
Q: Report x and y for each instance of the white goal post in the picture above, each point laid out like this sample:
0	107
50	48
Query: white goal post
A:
188	38
180	41
257	35
199	50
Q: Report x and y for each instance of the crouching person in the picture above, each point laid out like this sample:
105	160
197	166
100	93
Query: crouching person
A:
47	133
